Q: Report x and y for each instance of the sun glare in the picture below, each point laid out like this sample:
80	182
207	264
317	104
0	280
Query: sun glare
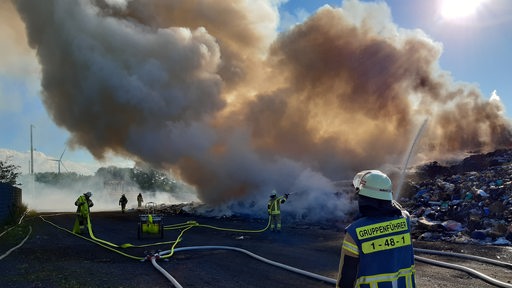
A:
455	9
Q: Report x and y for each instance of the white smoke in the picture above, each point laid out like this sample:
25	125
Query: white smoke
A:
41	197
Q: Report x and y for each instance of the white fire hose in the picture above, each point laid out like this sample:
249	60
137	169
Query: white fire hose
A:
165	273
470	271
17	246
289	268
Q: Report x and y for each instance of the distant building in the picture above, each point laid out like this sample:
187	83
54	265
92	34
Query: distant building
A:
10	199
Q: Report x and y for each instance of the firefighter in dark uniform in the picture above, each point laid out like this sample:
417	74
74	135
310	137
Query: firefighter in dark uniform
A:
377	249
84	204
139	200
123	201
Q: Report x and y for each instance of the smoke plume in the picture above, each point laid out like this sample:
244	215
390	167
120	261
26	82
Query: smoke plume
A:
210	90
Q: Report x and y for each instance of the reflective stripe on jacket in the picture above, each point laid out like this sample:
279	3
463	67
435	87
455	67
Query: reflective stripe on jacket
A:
274	205
384	247
83	205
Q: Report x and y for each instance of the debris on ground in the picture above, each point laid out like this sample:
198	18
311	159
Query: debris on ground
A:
469	202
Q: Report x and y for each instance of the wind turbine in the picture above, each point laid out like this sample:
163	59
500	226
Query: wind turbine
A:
59	161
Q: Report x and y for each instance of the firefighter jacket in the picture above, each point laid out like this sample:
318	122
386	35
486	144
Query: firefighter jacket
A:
274	205
83	204
384	249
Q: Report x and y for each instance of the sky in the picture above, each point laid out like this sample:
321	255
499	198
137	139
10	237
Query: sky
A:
295	95
476	44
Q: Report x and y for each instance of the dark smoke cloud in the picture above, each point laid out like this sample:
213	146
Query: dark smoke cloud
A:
209	90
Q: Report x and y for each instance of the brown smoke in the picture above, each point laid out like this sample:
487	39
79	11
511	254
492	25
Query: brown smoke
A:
16	59
208	89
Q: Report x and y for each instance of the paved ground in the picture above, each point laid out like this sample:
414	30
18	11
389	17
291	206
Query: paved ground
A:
52	257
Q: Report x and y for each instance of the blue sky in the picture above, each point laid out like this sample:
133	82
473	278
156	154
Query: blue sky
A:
476	49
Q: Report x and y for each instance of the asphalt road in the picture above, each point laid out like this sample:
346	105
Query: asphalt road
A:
52	257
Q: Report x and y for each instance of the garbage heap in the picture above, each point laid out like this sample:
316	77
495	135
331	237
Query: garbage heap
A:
469	202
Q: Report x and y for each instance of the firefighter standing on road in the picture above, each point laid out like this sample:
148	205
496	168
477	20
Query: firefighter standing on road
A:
122	201
377	249
274	210
139	200
84	204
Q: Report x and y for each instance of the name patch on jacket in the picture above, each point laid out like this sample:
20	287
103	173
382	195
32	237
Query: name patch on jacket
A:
380	230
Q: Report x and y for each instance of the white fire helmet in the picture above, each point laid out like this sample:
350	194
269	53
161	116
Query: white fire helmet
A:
373	184
273	193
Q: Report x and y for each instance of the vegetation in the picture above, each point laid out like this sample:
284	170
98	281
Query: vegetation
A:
152	180
53	178
9	173
15	215
146	179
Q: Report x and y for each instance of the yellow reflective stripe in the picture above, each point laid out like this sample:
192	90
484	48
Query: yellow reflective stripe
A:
381	228
408	280
386	243
275	205
373	280
351	247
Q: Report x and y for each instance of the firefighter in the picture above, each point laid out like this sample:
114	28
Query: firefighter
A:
122	201
84	204
377	249
139	200
274	210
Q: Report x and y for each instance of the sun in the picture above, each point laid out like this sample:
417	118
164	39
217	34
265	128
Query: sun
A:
456	9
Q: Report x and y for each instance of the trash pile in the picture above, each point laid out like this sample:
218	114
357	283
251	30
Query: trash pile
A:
470	202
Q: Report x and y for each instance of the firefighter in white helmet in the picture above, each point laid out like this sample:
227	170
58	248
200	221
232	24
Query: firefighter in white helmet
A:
377	248
84	204
274	210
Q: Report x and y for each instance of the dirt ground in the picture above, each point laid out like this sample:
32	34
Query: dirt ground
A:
52	257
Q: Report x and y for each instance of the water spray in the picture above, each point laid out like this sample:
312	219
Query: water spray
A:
408	158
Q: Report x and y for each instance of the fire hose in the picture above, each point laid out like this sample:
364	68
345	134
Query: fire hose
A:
189	225
466	256
313	275
17	246
333	281
463	268
265	260
165	273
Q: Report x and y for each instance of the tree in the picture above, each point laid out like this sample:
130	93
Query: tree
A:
9	173
150	179
53	178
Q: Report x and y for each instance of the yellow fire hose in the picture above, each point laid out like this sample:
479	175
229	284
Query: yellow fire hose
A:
169	253
188	225
184	226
